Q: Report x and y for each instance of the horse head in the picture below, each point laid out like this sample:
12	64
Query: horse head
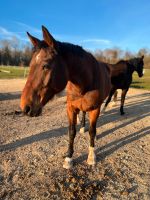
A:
138	65
47	75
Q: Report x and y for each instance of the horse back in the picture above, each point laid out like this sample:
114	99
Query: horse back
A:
118	68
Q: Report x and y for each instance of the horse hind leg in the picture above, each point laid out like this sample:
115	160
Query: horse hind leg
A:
93	116
82	129
108	99
115	99
123	95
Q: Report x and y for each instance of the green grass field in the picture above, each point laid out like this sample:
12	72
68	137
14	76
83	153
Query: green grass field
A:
21	72
13	72
141	83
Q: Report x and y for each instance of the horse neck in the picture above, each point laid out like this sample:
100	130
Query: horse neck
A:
117	68
73	68
131	68
76	68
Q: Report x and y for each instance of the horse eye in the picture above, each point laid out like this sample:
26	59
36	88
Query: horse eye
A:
46	66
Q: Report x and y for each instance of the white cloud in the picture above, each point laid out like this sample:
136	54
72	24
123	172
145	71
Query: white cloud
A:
6	34
89	43
97	41
26	27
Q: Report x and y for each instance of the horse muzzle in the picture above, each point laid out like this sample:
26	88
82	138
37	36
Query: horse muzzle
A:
32	112
140	75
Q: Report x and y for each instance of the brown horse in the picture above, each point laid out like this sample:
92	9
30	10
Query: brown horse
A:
121	78
53	66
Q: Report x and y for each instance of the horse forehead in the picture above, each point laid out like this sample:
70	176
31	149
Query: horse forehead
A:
40	55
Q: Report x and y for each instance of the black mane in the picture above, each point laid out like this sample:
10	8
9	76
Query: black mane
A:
65	47
121	61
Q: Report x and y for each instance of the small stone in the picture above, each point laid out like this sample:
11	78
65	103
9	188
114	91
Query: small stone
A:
30	174
72	186
124	193
73	180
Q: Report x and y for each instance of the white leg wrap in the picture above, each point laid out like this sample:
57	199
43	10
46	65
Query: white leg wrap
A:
67	163
82	130
91	157
78	120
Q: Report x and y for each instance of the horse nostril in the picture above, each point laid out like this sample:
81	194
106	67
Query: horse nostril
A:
27	109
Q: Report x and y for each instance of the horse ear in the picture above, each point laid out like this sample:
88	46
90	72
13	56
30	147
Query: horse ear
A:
48	38
36	42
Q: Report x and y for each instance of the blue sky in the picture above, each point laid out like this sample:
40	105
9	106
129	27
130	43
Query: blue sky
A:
93	24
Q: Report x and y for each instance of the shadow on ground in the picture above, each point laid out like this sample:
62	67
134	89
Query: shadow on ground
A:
112	115
10	96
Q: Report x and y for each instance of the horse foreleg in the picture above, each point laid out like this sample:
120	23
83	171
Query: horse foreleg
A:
109	98
82	129
93	115
123	95
72	117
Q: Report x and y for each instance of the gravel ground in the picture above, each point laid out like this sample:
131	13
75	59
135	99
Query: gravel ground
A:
32	150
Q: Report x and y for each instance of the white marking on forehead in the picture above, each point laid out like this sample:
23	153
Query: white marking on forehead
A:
38	57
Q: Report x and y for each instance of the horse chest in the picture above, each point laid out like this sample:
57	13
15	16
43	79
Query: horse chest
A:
88	101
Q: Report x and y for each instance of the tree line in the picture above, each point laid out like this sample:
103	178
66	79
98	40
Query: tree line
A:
13	55
114	55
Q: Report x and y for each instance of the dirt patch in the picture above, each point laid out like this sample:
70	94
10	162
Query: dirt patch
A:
32	150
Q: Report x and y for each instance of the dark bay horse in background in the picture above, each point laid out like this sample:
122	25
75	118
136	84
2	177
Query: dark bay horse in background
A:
53	66
121	78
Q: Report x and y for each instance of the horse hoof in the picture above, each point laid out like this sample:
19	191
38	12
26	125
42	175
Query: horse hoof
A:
122	113
91	161
68	163
82	130
91	157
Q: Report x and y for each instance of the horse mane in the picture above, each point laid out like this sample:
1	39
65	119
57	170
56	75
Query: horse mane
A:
127	61
122	61
65	47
